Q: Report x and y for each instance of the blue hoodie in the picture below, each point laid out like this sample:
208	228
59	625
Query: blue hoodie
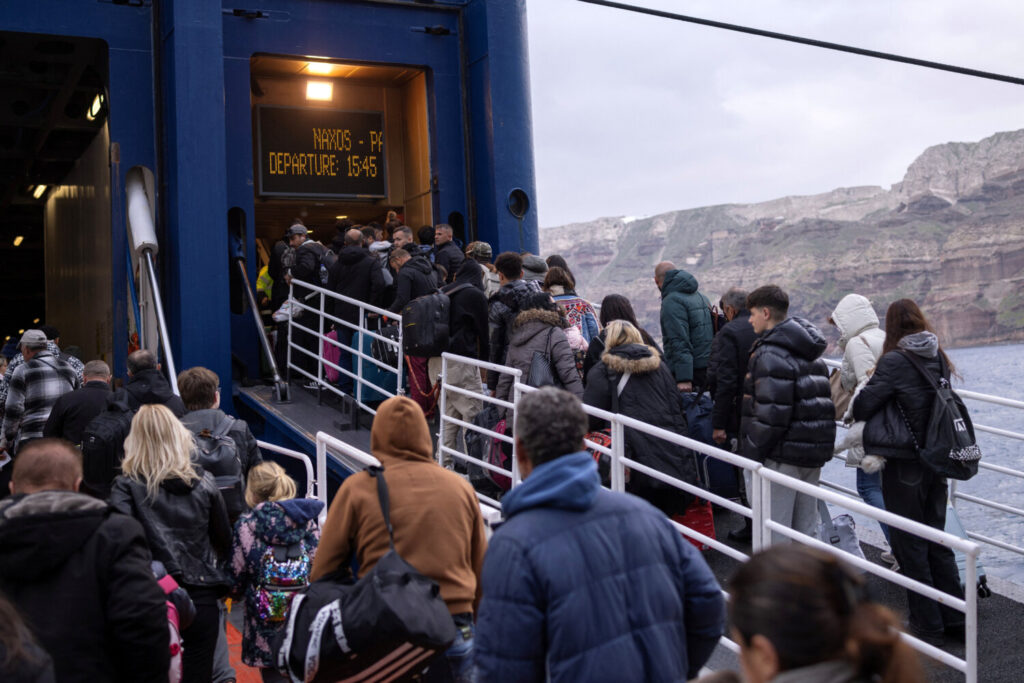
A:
582	584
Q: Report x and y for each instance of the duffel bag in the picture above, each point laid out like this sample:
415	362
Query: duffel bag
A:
386	626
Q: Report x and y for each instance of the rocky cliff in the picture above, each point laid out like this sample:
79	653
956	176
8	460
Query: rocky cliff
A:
950	235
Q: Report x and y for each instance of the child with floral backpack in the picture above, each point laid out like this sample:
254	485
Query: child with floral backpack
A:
272	553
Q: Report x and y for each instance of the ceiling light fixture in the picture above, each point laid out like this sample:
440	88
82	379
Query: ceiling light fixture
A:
95	107
36	321
319	68
322	91
339	218
18	240
39	191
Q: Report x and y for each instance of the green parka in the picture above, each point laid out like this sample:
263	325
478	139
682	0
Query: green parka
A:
686	327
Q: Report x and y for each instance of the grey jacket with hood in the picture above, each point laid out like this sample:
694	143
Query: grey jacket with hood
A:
539	330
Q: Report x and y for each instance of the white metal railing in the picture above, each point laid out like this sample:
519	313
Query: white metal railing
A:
316	484
360	331
358	460
955	494
765	530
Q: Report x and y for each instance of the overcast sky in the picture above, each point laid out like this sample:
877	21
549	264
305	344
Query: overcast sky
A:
635	115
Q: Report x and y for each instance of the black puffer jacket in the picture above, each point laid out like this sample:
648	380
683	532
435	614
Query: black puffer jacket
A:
502	310
596	349
897	381
357	275
730	351
415	279
650	395
187	527
79	573
788	414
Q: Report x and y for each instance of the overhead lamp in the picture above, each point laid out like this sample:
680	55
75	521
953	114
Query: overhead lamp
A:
21	331
319	68
95	108
39	191
339	218
18	240
322	91
36	321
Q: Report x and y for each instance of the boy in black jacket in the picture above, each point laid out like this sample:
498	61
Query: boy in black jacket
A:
788	416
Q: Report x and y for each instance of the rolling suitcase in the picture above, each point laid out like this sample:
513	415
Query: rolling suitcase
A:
955	526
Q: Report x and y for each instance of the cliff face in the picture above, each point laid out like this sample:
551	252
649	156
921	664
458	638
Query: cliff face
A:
950	236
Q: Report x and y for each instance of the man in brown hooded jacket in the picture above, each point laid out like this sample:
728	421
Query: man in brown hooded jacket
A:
435	514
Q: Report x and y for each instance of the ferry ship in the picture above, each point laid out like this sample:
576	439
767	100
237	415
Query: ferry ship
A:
152	151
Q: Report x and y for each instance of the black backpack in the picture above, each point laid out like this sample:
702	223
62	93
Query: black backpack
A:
426	325
103	445
387	626
949	448
217	453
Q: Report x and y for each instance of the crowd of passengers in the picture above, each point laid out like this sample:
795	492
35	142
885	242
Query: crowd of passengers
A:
134	514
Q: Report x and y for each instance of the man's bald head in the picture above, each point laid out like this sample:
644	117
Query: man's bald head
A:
660	270
47	465
353	237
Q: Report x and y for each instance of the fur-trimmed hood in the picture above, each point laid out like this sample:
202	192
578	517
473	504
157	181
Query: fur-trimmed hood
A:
637	359
535	314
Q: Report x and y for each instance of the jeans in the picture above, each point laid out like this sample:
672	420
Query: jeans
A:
457	664
460	406
222	670
915	492
869	488
345	382
795	510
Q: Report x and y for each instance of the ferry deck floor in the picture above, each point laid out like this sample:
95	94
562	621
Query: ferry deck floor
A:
1000	617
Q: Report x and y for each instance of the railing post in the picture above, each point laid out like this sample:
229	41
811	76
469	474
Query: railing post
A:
756	522
399	390
952	493
618	450
971	618
510	422
766	511
288	345
321	470
320	349
443	379
360	337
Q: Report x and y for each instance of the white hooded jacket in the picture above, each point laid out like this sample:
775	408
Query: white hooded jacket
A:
860	338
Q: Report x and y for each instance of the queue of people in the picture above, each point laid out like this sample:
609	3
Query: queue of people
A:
106	482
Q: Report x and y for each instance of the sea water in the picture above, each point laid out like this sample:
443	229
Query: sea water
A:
998	371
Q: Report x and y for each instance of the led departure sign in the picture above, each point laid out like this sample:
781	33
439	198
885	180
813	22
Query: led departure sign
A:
321	153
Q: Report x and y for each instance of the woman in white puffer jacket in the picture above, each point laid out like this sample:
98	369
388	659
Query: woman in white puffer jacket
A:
861	340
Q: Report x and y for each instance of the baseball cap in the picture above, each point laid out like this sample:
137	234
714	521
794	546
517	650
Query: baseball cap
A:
479	250
297	229
33	337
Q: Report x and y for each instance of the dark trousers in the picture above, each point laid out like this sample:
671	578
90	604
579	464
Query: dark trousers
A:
199	642
912	491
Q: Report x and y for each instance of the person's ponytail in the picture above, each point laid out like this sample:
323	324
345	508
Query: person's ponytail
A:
875	648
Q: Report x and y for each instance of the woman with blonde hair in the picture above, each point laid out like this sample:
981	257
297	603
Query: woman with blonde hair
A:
185	520
633	380
271	557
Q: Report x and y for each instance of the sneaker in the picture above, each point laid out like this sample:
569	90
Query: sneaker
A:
888	557
935	638
743	534
311	385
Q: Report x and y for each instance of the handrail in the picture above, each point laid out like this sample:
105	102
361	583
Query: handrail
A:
313	483
142	231
359	332
280	386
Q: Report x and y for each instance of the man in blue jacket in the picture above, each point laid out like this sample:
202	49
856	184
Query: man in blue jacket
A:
583	584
